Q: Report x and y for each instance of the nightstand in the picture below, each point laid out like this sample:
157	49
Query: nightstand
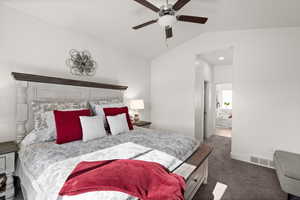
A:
142	124
7	168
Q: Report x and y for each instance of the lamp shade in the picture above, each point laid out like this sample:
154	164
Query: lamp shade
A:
137	104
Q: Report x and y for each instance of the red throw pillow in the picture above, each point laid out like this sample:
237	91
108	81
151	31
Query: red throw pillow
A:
68	126
118	111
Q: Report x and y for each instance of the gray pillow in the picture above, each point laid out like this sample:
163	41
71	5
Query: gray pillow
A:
102	102
40	109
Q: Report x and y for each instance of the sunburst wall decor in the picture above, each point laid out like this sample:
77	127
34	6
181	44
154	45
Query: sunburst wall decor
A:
81	63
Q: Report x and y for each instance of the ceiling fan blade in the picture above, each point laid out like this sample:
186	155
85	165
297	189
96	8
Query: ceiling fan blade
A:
148	5
179	4
193	19
169	32
145	24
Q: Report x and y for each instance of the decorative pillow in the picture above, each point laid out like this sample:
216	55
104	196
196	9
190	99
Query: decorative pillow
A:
99	111
68	127
117	111
118	124
103	101
92	128
35	137
40	109
51	131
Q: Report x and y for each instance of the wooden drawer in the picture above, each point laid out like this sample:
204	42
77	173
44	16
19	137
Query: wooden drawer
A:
195	181
2	164
7	163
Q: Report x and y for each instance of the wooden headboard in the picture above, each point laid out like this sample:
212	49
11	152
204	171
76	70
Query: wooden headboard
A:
43	88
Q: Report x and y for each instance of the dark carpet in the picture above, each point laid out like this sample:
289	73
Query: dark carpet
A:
245	181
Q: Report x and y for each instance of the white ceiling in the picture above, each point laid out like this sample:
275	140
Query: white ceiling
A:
212	57
112	21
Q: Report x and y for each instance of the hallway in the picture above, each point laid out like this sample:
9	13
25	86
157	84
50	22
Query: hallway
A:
225	132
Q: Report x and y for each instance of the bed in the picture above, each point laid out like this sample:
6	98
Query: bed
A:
43	167
224	118
48	160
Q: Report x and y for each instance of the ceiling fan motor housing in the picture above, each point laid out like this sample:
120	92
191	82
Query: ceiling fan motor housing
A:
167	16
166	10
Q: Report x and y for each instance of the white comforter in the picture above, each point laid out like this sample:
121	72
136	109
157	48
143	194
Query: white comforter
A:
54	176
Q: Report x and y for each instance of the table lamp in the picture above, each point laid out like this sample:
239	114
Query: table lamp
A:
137	104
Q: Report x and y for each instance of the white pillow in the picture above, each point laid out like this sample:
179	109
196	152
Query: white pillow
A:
101	102
99	110
92	127
117	124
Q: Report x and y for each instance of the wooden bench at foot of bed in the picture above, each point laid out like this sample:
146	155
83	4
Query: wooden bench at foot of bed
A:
195	170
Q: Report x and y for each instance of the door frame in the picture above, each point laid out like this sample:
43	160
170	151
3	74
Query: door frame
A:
206	108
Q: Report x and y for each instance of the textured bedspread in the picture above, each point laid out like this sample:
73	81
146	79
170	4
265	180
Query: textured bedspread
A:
36	158
42	160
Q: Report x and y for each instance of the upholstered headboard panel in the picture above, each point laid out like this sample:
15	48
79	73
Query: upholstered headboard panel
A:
41	88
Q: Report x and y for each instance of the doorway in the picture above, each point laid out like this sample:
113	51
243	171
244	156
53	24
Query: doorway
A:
223	120
211	68
206	109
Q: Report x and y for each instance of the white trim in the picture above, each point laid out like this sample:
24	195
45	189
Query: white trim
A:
240	157
246	158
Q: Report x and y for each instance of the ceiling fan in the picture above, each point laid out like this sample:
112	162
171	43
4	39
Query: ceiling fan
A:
167	16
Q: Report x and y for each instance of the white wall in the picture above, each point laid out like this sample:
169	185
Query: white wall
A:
223	74
32	46
266	87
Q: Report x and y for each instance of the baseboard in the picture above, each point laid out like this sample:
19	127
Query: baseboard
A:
240	157
247	159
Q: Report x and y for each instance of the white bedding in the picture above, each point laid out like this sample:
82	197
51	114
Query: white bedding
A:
43	168
49	184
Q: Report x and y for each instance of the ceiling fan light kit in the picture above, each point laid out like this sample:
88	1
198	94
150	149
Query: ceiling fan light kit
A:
167	20
167	16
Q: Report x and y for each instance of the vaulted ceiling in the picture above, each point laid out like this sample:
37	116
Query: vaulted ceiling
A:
219	57
111	20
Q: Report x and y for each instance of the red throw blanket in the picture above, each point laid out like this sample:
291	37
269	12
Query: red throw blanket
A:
141	179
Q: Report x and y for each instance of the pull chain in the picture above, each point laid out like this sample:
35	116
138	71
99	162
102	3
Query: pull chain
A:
166	42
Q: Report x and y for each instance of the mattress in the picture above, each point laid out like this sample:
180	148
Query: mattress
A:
224	118
38	162
223	123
